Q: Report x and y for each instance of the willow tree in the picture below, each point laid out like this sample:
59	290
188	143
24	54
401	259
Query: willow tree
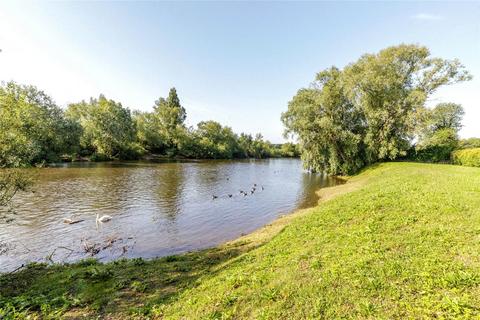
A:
368	111
327	124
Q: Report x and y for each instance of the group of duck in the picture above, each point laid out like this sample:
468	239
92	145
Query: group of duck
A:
242	192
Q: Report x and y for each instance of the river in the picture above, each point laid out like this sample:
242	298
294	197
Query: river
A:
157	209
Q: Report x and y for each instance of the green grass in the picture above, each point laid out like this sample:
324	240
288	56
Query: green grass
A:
403	242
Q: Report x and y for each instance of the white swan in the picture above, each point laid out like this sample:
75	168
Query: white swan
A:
104	218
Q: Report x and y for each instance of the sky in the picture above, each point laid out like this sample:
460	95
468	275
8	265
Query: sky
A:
238	63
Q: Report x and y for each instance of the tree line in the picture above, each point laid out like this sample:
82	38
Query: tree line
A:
374	109
34	130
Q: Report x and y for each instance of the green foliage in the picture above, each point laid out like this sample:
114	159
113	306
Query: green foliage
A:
467	157
438	135
446	116
107	128
469	143
215	141
401	244
289	150
12	181
256	147
327	124
438	146
370	110
32	128
161	130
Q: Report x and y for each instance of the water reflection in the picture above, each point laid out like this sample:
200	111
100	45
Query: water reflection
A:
168	185
157	208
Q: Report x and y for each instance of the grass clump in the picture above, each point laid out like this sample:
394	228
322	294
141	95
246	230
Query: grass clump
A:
400	240
467	157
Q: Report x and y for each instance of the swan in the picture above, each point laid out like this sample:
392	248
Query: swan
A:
103	218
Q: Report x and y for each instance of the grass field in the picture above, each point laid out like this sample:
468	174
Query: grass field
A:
399	240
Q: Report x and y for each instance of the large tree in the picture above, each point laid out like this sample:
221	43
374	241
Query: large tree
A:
216	141
327	124
169	118
162	130
370	110
107	127
33	128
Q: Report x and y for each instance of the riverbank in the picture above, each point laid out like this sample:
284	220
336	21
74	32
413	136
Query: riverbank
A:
399	240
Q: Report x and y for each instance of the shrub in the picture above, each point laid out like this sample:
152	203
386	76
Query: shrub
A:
438	147
467	157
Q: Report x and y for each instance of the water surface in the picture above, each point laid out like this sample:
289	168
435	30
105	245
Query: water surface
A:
157	209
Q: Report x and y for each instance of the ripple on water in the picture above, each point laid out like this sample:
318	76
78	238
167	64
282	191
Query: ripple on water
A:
157	209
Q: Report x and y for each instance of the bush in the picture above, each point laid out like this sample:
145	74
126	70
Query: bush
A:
438	147
469	143
467	157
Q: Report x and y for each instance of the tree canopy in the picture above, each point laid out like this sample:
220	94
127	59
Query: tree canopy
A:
370	110
34	130
438	137
107	127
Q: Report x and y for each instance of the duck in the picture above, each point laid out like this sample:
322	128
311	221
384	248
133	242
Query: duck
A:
71	221
214	197
104	218
230	195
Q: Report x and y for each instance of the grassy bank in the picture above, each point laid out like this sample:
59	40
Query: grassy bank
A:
400	240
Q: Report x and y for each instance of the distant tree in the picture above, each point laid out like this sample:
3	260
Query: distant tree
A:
187	143
439	134
168	119
107	128
289	150
369	111
261	148
215	141
438	146
446	116
245	143
149	133
33	128
469	143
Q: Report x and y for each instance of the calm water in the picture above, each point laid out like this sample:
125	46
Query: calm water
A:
157	208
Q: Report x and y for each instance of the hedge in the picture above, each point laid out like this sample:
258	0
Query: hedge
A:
467	157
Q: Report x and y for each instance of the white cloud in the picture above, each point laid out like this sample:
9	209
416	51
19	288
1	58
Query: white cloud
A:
427	17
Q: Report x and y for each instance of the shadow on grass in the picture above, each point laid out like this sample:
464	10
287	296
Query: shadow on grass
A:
119	287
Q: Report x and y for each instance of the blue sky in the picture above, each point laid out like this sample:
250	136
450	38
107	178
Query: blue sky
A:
238	63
